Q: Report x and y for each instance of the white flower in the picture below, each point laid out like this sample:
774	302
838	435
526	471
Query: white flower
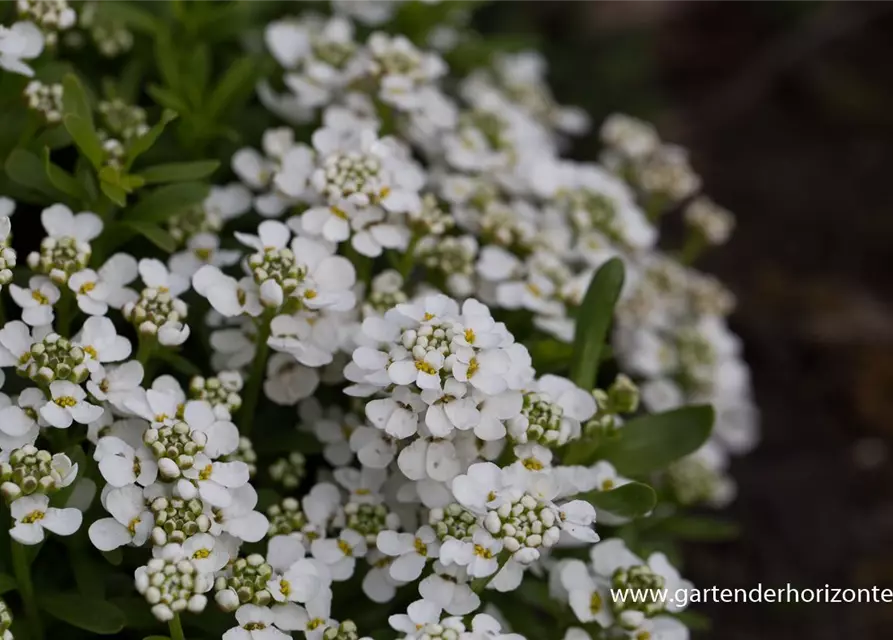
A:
212	480
60	222
32	514
340	553
116	384
96	292
131	521
122	464
297	579
68	405
588	595
418	615
202	249
398	416
239	519
256	623
412	551
451	593
21	41
207	552
36	301
228	296
18	424
101	342
479	556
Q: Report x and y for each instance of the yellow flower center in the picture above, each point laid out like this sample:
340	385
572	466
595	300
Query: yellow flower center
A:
201	554
33	517
90	351
473	367
533	464
338	213
643	635
284	587
362	492
41	299
132	525
428	316
491	496
346	549
425	367
254	626
420	547
607	484
204	254
310	294
469	336
66	401
481	552
315	623
535	290
383	193
86	288
595	603
205	473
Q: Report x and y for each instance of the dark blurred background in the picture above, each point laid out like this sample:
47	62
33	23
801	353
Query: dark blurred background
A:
787	109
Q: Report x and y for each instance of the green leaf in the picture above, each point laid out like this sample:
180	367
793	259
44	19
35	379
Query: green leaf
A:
155	234
166	60
114	193
179	171
7	583
694	620
700	528
91	614
130	15
25	167
168	99
199	65
55	138
85	138
167	201
61	179
239	80
114	557
74	99
631	500
137	613
593	320
652	442
145	142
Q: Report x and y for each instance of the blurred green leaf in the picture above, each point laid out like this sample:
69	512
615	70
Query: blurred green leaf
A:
154	234
114	193
145	142
85	138
238	82
179	171
631	500
74	99
7	583
25	167
91	614
55	137
61	179
651	442
699	528
593	320
168	99
130	15
167	201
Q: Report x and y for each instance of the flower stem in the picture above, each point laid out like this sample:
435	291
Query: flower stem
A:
145	349
176	628
256	377
22	572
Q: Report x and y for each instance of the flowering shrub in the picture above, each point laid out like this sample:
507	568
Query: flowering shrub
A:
305	314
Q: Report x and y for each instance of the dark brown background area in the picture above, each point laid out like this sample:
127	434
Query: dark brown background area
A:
788	111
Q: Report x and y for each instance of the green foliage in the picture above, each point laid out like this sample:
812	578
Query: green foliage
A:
631	500
91	614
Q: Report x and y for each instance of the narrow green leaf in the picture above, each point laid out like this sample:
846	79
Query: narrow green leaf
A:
114	193
593	320
167	201
155	234
168	99
700	528
91	614
238	80
55	138
166	60
199	72
178	362
7	583
631	500
25	168
74	99
145	142
85	138
179	171
652	442
130	15
83	172
61	179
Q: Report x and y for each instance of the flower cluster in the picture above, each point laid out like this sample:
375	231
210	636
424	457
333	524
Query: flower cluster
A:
401	270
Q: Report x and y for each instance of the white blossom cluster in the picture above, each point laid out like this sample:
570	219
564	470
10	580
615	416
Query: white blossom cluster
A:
395	249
